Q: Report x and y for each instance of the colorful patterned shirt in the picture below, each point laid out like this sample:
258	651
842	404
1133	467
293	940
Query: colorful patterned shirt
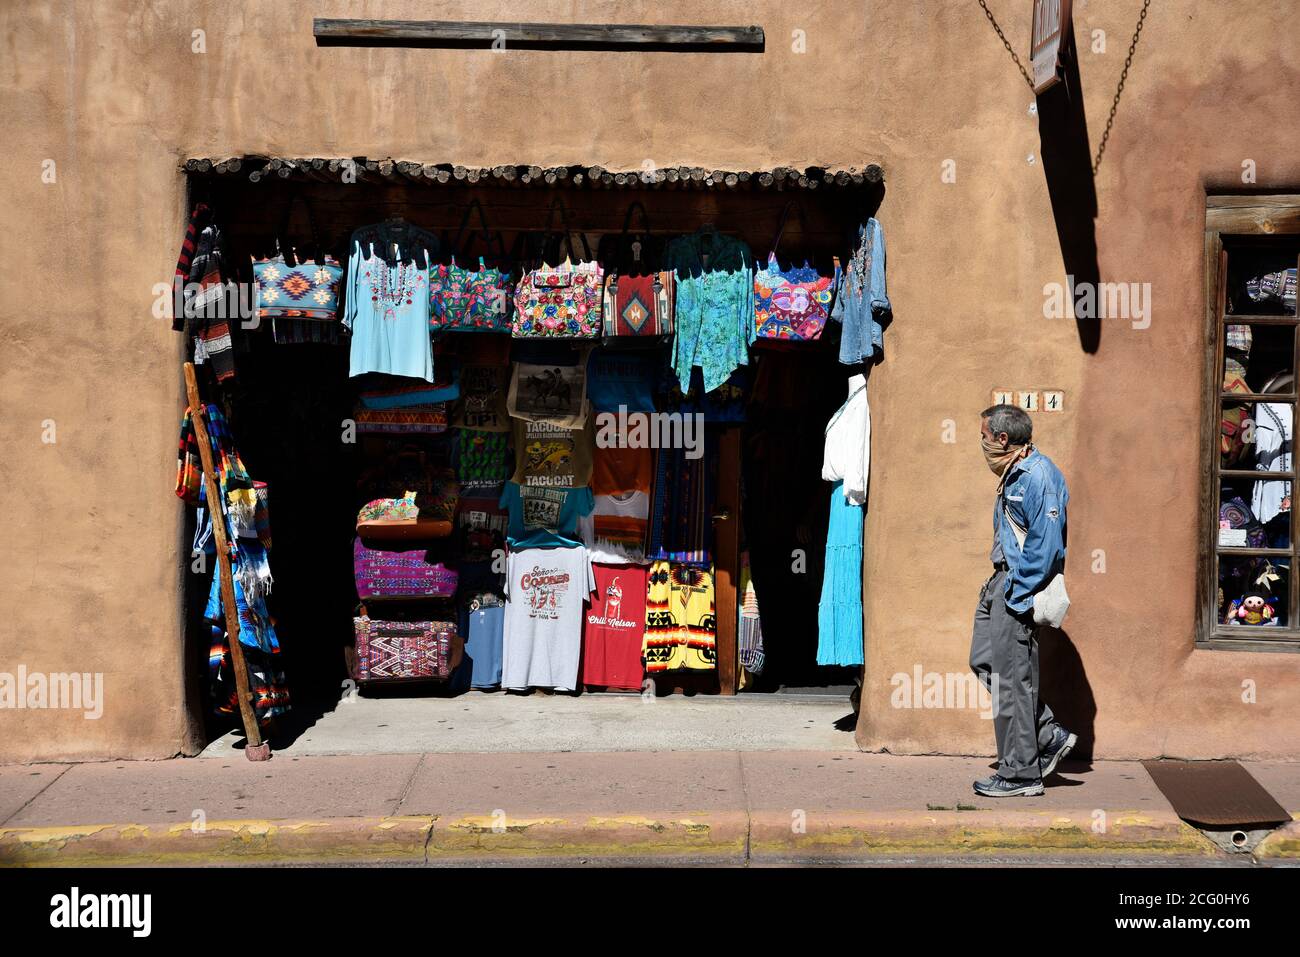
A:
714	306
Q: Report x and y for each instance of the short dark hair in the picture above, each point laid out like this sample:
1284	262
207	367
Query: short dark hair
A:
1012	420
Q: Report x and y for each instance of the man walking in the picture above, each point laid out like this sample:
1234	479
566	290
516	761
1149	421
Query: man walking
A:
1028	551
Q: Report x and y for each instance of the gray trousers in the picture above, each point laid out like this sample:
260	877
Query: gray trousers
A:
1006	646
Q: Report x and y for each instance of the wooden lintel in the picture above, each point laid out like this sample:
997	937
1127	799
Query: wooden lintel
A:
557	36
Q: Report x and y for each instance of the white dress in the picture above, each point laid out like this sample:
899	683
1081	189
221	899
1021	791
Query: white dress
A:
848	443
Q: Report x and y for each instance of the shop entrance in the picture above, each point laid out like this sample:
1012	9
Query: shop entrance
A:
291	405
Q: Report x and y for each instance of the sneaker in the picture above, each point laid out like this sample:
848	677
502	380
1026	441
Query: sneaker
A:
1062	742
996	786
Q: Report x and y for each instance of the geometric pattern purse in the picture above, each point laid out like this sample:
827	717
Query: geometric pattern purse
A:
305	291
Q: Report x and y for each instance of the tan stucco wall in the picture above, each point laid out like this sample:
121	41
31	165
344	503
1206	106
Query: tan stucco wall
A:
112	93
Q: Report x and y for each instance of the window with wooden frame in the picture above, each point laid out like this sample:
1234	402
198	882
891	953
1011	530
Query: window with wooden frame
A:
1250	593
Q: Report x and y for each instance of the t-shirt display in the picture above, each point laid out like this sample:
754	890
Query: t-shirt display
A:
482	462
552	456
546	591
620	380
482	403
615	531
549	393
483	622
601	553
542	517
613	628
617	469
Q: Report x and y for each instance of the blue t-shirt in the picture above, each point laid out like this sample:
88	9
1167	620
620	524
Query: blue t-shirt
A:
618	379
543	517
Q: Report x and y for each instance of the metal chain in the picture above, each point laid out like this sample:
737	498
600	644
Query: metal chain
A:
1007	43
1119	90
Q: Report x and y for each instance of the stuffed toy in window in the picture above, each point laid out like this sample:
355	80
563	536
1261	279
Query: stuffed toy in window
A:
1255	607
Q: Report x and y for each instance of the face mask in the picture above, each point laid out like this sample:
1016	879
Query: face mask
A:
999	459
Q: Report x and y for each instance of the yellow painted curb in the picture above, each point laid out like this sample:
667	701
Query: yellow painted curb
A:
977	832
394	839
716	836
712	835
1282	844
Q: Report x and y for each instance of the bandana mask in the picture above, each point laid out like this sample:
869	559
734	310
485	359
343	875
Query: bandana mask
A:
999	459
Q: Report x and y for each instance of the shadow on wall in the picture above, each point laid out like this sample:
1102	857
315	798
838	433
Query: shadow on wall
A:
1067	165
1064	685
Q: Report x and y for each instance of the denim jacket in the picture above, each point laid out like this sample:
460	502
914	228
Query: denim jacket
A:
861	303
1036	496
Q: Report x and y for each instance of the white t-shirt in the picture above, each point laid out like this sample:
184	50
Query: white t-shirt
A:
545	591
614	532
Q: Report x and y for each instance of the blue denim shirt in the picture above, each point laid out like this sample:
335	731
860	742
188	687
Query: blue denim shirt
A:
1036	496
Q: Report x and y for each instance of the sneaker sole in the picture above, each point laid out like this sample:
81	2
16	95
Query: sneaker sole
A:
1027	790
1057	758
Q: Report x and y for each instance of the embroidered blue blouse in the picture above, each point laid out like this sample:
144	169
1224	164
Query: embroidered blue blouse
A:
714	308
860	301
387	310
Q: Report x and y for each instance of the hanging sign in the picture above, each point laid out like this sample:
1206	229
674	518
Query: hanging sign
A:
1051	24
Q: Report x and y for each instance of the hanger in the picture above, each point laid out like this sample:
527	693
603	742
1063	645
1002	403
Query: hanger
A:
565	234
396	240
483	232
1279	382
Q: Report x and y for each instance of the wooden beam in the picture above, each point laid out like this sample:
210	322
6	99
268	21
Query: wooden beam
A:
558	36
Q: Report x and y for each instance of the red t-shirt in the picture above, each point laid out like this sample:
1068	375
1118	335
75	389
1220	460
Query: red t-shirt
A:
613	627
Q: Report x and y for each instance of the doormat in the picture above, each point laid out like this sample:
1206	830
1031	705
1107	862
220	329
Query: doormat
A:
1216	794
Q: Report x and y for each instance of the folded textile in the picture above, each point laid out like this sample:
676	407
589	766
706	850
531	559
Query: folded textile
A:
430	419
413	394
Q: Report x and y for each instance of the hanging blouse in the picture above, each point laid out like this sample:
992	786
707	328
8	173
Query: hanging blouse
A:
713	310
792	304
387	310
861	302
848	443
469	300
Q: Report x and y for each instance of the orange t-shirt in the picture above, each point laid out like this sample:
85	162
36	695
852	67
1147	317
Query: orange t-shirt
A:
616	470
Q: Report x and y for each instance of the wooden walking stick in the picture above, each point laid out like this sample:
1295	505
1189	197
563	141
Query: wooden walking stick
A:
255	749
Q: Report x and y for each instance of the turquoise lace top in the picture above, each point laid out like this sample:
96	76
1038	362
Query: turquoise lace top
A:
714	310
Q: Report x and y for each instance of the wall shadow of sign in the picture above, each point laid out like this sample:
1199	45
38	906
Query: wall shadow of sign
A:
1067	165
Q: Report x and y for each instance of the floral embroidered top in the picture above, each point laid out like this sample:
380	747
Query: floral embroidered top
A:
861	302
714	306
470	300
387	309
794	303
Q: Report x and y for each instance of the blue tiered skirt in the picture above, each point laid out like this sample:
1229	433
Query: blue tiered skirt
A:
839	614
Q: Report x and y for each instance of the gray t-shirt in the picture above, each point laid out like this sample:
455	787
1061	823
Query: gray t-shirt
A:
995	553
542	642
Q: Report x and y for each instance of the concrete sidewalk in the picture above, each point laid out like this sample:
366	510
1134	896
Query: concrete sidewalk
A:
500	722
718	807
